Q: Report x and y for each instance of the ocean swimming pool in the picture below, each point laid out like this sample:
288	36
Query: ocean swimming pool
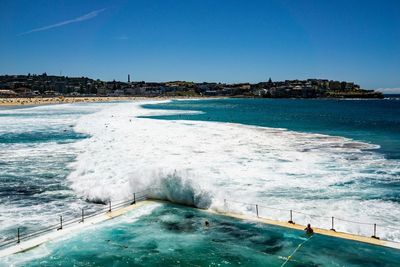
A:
63	158
174	235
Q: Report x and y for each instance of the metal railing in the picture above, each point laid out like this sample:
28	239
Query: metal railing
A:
80	218
332	223
281	215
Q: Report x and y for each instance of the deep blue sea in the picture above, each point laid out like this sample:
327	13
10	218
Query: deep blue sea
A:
320	158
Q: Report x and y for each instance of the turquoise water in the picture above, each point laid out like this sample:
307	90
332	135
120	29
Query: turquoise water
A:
58	159
372	121
180	238
375	122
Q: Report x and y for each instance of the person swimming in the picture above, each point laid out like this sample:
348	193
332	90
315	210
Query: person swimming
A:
206	224
309	230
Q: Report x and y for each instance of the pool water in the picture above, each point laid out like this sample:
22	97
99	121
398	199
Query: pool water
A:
173	235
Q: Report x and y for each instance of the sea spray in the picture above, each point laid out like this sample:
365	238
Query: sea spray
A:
174	188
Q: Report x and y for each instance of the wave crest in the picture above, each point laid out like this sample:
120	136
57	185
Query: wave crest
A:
179	190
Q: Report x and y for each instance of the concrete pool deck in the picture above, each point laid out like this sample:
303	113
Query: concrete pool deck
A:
342	235
37	241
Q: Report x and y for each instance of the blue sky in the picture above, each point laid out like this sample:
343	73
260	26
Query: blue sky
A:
204	40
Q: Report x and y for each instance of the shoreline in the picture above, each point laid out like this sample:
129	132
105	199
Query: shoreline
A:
10	102
37	101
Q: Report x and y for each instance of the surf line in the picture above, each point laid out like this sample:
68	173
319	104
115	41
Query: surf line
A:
295	250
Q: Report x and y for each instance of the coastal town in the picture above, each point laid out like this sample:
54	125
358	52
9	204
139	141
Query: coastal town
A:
50	86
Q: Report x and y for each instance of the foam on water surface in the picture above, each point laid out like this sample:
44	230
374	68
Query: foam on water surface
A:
54	158
201	163
35	148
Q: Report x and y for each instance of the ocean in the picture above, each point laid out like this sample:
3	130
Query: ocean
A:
322	158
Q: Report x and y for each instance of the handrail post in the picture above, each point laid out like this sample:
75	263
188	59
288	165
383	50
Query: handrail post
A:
61	221
109	206
134	199
333	224
257	209
291	217
18	238
83	216
374	236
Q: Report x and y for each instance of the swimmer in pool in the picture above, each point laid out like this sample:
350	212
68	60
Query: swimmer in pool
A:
309	230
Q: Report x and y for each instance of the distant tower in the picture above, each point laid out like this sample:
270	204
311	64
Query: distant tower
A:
269	83
129	78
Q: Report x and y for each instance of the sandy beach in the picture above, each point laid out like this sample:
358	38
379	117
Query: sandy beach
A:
64	100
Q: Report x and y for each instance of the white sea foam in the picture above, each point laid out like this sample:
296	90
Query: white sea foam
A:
28	169
201	163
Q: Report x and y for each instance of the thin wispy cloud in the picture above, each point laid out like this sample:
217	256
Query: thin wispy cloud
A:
87	16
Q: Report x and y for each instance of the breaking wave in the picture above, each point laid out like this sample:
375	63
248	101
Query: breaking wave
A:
200	163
